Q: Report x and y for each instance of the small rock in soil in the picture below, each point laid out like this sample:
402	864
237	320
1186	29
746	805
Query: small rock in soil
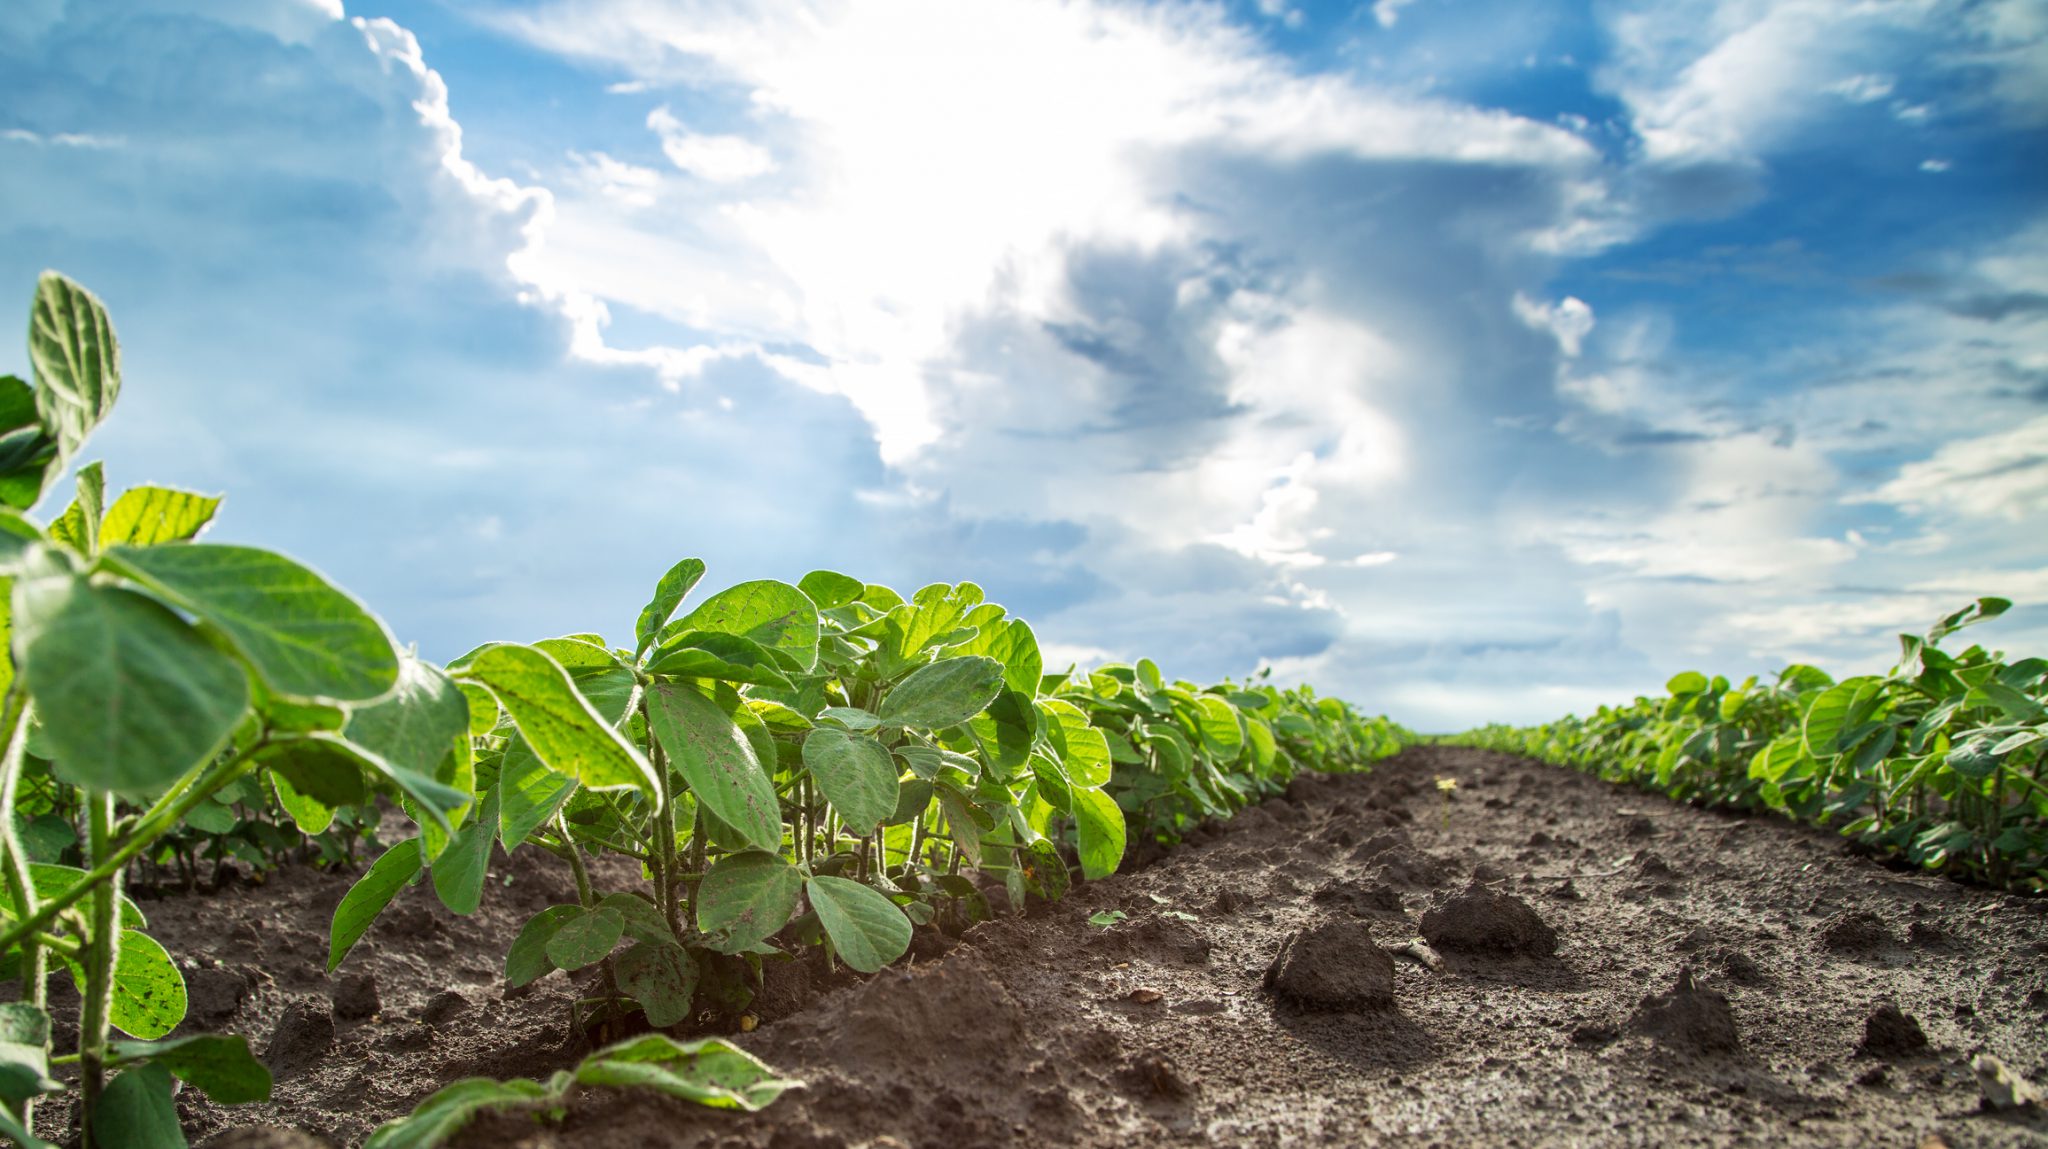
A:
303	1036
1689	1018
1154	1075
2003	1089
1480	920
444	1007
1890	1032
355	997
1853	931
1334	966
264	1137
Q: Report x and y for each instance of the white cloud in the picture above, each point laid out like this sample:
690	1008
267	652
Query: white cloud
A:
720	159
2002	475
1569	320
1864	89
1388	12
1934	166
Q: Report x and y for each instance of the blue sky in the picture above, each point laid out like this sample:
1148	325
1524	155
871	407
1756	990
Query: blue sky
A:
1472	360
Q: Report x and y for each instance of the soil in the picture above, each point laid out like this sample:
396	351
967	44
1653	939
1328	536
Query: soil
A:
1542	958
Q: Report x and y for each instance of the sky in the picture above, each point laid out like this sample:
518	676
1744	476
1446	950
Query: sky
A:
1473	360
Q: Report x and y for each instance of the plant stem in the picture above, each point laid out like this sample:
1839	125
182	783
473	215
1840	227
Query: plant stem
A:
35	963
153	824
663	861
698	832
103	949
575	858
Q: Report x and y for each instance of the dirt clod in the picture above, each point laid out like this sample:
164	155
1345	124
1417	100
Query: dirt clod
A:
444	1007
213	995
1890	1032
1154	1075
1480	920
355	997
264	1137
1689	1019
1855	931
1334	966
303	1036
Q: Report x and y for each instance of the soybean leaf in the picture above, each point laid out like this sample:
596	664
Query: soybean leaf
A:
668	594
661	977
79	526
829	589
1012	644
1222	730
717	760
944	693
27	449
857	775
129	696
304	636
527	960
747	897
1834	710
1083	749
136	1111
76	359
390	873
728	657
460	868
149	992
149	516
24	1053
708	1071
415	724
23	1139
441	1116
429	795
318	769
586	938
52	881
1006	730
773	614
960	821
217	1065
1100	825
528	793
559	724
310	815
643	921
866	928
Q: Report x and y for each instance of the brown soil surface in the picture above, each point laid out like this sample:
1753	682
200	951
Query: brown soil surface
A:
1606	969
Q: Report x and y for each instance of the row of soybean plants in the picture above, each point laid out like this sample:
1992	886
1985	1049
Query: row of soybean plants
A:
1938	761
815	764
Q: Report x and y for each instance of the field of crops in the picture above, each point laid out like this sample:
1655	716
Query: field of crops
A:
816	779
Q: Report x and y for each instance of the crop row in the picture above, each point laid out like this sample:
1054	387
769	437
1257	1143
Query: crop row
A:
1938	761
818	764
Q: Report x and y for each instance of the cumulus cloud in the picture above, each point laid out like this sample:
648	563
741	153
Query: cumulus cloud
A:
2003	475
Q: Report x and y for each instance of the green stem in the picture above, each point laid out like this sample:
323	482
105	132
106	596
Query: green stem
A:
575	857
153	824
664	860
35	963
698	832
103	950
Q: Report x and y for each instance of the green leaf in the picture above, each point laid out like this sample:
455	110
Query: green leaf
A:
1100	825
428	795
960	821
311	816
1084	750
415	724
866	928
945	693
528	793
219	1066
527	960
459	870
318	769
567	734
23	1139
149	992
28	453
830	589
76	359
586	939
1976	759
851	717
150	516
643	921
857	775
747	897
2016	705
728	657
79	526
1012	644
1834	710
24	1053
717	761
136	1111
773	614
441	1116
1222	731
933	612
668	595
1687	682
708	1071
661	977
1006	730
390	873
305	637
129	696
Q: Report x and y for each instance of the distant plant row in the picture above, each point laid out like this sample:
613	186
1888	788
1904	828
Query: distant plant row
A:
819	764
1938	761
